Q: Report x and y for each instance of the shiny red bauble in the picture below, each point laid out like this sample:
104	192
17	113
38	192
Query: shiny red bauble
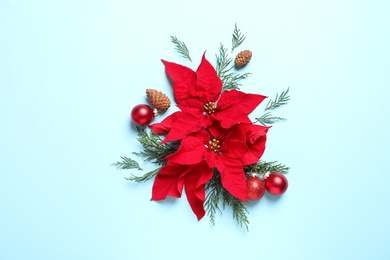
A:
142	115
276	184
254	188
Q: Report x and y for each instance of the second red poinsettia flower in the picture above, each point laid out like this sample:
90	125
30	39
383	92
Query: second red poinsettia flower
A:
202	103
227	153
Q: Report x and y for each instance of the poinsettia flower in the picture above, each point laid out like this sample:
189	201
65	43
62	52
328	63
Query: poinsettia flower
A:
173	177
201	102
223	153
203	85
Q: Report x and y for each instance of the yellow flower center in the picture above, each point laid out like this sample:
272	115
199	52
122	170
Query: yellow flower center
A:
210	107
214	145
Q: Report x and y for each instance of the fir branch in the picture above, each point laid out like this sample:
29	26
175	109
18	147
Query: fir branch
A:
279	100
268	119
147	176
240	212
127	163
181	48
237	38
215	193
263	167
212	199
230	80
223	62
153	151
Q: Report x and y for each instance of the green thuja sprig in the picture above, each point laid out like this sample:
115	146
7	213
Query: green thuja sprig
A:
230	79
143	178
181	47
153	151
127	163
269	119
240	212
237	38
215	192
263	167
280	100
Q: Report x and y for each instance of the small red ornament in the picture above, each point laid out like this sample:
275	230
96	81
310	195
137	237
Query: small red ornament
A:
255	188
276	183
142	115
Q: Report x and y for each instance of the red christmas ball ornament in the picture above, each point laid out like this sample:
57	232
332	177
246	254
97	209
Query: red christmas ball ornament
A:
276	183
255	188
142	115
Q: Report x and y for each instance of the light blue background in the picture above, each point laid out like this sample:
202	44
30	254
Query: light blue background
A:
71	71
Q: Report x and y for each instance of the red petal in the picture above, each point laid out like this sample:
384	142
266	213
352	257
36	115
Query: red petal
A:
191	151
192	105
194	186
211	158
256	141
184	80
168	182
186	123
234	148
230	117
238	100
165	126
208	84
232	177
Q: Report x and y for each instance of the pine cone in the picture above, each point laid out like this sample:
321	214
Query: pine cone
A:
158	99
243	58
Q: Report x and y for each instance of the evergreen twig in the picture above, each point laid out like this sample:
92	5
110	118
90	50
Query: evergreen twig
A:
211	203
237	38
153	151
240	212
127	163
279	100
263	167
230	79
268	119
217	192
181	47
147	176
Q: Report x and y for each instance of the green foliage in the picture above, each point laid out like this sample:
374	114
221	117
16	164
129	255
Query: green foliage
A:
280	100
262	167
127	163
215	192
269	119
147	176
181	48
224	68
237	37
240	211
153	152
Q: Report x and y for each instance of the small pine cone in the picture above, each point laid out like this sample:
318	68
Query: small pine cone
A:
243	58
158	99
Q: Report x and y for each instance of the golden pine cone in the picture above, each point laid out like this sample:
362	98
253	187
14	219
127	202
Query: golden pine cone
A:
243	58
158	99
